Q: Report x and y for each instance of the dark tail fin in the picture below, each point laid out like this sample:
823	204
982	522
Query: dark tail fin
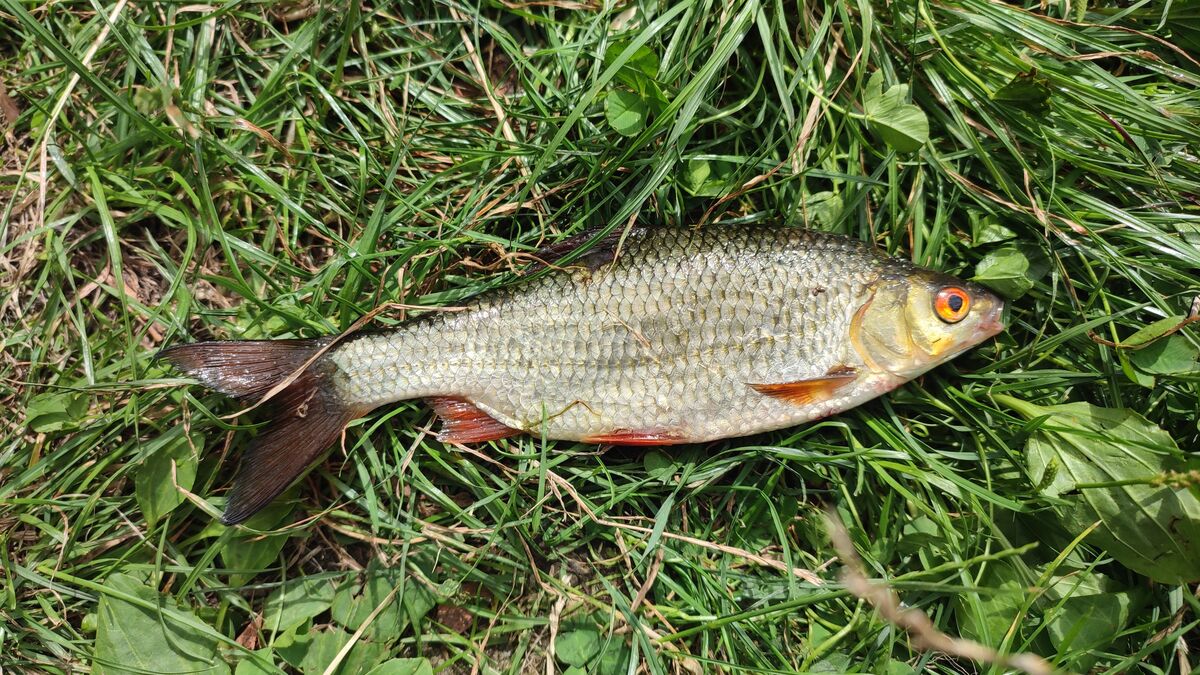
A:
306	417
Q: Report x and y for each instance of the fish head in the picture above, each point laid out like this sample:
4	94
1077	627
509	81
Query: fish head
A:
916	319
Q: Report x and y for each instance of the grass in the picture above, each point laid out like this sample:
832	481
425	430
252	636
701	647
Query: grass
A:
251	170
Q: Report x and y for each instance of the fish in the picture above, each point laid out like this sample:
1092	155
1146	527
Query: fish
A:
646	336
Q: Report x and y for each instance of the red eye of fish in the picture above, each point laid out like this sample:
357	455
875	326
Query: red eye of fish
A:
952	304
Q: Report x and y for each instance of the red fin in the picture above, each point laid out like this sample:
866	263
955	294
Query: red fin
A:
638	437
306	417
463	422
815	390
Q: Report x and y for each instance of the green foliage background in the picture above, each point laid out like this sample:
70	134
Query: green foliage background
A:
192	171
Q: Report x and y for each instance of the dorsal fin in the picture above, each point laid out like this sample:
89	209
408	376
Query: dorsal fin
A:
601	252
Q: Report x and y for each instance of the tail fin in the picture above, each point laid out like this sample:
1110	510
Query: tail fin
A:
306	417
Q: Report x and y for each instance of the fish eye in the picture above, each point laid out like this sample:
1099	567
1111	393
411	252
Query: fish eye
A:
951	304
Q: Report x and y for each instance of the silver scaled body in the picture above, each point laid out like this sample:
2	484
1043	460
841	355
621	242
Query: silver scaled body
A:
668	338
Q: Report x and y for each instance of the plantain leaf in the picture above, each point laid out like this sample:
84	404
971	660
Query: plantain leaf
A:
625	111
1012	270
1153	330
154	483
55	411
249	553
658	465
1084	610
297	601
900	124
577	647
261	662
642	64
325	646
614	660
1027	91
1106	464
357	598
403	667
140	631
988	618
1158	355
985	229
704	178
1173	355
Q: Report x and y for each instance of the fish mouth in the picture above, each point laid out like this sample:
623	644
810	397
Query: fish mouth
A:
991	324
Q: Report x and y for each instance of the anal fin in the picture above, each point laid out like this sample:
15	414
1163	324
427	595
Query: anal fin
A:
812	390
464	422
637	437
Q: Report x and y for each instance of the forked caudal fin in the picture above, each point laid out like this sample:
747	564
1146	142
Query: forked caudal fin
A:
305	417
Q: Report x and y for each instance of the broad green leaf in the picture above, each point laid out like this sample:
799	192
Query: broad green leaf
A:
987	617
55	411
1171	355
707	178
919	533
625	111
356	598
1153	330
1027	91
826	207
896	667
644	62
294	647
1154	353
153	484
1152	529
1083	611
403	667
261	662
1136	376
834	663
251	556
326	644
252	553
132	638
614	660
900	124
577	647
985	229
1162	359
659	466
638	74
297	601
1012	270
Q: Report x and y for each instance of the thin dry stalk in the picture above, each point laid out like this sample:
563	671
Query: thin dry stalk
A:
925	636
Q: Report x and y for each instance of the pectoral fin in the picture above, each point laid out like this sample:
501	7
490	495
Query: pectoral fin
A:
810	391
463	422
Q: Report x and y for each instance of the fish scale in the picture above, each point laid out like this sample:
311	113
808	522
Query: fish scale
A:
666	335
